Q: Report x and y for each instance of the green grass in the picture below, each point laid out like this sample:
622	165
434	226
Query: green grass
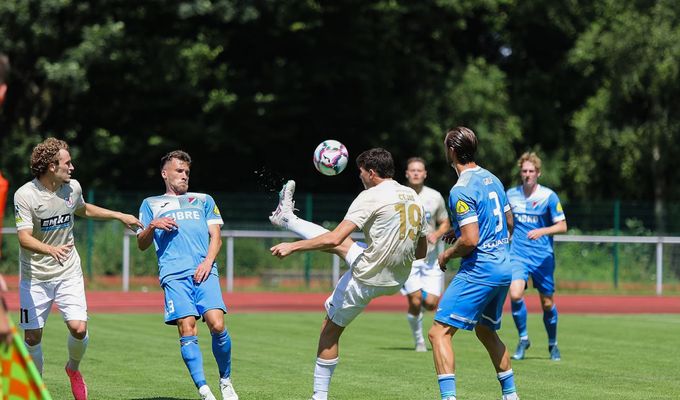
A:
134	356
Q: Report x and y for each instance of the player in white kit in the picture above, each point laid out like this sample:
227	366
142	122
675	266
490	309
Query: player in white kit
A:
50	265
426	276
392	219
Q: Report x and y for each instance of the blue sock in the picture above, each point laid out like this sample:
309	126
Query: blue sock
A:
519	314
550	322
191	354
507	380
447	385
221	348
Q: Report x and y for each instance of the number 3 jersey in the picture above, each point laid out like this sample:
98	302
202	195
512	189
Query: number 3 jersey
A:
180	250
392	218
478	196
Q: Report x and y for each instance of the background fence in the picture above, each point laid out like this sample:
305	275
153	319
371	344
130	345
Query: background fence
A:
620	264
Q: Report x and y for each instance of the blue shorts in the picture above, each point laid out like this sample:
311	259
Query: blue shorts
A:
542	273
184	298
464	304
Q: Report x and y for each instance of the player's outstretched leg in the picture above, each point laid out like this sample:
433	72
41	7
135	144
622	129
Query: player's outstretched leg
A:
284	215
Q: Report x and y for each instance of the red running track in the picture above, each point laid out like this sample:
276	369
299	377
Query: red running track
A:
140	302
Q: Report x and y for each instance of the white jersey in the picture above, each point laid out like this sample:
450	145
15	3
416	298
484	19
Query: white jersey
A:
435	212
392	218
50	217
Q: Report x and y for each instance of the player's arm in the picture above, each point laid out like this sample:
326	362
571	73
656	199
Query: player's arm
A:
558	227
95	212
464	245
510	221
30	243
443	227
325	241
204	268
145	236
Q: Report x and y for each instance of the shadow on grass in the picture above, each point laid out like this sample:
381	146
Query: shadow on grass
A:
398	349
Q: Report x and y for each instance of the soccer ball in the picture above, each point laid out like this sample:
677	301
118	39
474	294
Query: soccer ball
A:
330	157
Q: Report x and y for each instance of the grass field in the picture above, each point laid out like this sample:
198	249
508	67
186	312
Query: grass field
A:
135	356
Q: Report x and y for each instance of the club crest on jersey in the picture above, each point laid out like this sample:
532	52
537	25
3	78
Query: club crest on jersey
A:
69	203
192	200
462	207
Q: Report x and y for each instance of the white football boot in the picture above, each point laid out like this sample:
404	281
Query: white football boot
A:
227	389
205	393
285	209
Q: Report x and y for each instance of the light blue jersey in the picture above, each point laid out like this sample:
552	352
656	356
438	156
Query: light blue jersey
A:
478	196
181	250
539	210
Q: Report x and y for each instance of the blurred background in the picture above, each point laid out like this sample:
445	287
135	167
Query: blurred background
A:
249	88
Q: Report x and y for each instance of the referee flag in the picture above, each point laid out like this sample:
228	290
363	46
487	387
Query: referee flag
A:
20	376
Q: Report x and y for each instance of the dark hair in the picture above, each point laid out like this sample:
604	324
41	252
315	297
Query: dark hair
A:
463	142
4	68
178	154
415	159
377	159
44	154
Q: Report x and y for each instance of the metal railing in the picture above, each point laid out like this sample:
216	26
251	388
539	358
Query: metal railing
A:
231	235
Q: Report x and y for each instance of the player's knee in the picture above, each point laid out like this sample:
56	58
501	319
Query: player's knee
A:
78	329
436	334
216	326
430	304
33	337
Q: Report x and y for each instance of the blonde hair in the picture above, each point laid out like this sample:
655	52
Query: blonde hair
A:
532	158
44	154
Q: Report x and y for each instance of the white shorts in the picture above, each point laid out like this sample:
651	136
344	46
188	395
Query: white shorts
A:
36	300
427	277
350	296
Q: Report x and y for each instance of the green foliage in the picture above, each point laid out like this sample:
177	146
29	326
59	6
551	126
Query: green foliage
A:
377	347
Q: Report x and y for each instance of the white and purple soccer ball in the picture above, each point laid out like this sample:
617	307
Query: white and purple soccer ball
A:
330	157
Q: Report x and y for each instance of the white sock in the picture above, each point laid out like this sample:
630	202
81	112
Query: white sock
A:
323	371
304	228
37	356
416	324
76	350
511	396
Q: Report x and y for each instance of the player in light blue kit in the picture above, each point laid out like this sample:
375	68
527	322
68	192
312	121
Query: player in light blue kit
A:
185	229
481	219
538	215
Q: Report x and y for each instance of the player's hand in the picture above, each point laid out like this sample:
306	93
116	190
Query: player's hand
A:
282	250
449	237
442	259
535	234
60	253
202	271
131	222
3	284
432	238
165	223
5	332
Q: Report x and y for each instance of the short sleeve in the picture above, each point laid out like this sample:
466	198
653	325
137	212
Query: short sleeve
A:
441	213
212	212
555	207
145	214
463	207
359	211
80	201
22	212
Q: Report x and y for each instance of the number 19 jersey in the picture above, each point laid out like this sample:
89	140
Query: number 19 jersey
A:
478	196
393	219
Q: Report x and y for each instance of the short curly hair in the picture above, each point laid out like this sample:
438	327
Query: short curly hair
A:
46	153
